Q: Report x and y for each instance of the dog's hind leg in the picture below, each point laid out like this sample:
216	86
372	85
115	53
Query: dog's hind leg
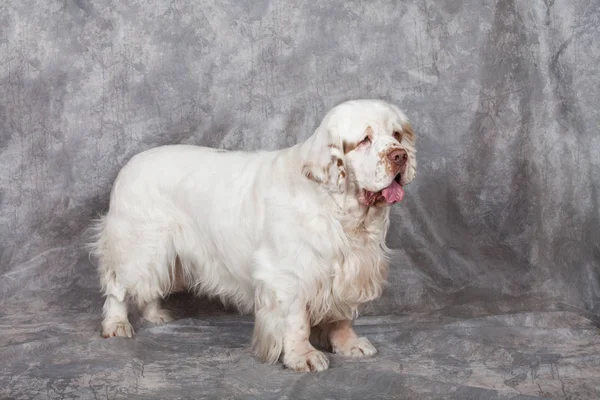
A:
153	312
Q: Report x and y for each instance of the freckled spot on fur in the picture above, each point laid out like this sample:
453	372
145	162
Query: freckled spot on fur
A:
387	165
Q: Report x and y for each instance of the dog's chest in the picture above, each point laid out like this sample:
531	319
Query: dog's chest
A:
362	269
359	267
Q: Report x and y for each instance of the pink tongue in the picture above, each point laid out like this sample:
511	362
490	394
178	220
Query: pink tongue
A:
393	193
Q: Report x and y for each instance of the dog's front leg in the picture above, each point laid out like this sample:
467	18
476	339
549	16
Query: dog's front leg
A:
298	354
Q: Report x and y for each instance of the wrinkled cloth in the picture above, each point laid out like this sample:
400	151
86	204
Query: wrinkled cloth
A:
500	223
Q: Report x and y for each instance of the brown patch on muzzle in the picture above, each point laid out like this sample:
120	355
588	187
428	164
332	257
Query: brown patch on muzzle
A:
391	168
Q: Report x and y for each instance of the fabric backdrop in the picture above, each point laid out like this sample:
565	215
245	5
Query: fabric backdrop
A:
503	216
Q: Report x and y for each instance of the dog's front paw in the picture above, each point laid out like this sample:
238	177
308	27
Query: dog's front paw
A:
359	347
312	361
117	328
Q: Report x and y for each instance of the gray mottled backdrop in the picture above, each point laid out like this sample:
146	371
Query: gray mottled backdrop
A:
495	285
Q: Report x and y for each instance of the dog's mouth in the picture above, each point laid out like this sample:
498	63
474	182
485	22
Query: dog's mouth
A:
385	197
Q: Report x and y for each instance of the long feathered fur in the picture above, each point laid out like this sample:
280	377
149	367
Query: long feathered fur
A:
262	231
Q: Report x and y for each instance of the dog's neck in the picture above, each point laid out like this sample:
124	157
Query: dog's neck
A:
356	216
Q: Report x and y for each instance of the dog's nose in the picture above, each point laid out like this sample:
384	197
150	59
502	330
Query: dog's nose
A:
398	156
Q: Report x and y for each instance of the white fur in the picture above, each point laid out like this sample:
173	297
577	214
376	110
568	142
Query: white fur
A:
280	233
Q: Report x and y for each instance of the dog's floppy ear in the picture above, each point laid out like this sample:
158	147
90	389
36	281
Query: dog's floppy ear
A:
323	160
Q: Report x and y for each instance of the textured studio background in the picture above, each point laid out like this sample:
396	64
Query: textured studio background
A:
501	225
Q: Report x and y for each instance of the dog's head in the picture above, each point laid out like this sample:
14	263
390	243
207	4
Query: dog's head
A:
364	145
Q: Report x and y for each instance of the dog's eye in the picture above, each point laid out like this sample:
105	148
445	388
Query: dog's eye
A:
398	136
366	140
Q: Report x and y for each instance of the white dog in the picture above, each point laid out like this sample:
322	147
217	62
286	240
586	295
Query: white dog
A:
296	235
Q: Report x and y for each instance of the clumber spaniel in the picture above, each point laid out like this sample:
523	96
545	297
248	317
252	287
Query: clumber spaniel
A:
297	235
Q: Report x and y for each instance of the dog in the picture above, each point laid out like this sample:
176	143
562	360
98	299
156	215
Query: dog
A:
296	236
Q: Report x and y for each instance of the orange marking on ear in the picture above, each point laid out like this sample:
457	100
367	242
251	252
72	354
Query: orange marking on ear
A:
348	147
306	171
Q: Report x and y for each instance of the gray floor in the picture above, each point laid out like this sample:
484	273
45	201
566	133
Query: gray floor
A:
477	350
